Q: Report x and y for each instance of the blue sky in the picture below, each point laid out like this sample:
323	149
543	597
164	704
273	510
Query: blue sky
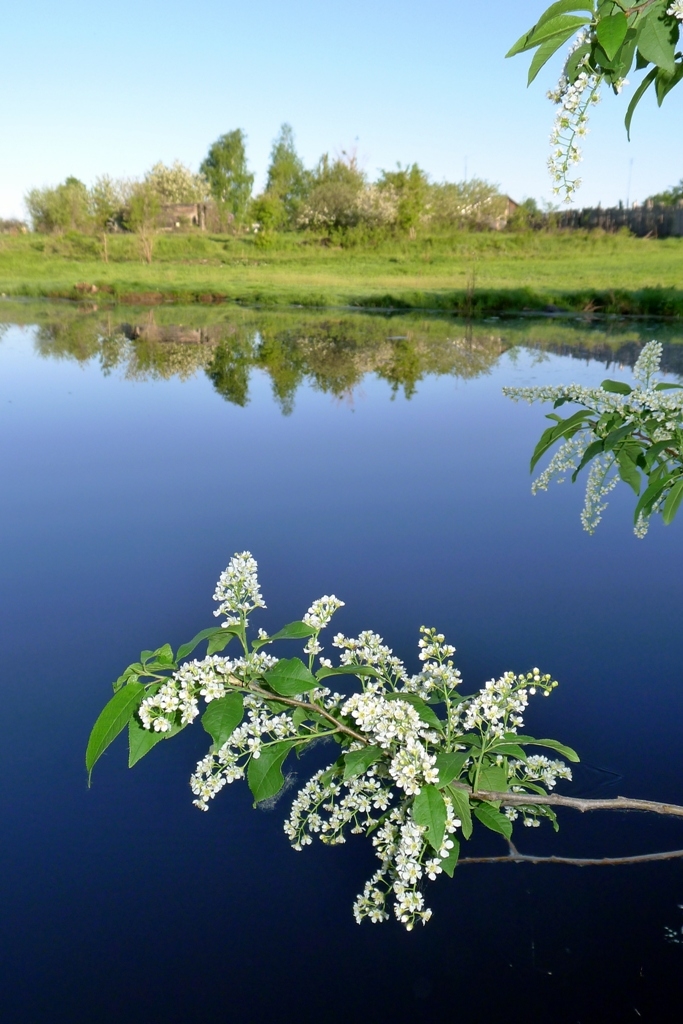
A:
112	89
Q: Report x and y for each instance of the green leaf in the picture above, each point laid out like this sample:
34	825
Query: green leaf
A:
652	492
665	82
637	97
461	807
449	766
572	71
667	387
429	811
546	51
264	773
654	450
615	436
673	501
299	717
628	471
141	740
564	428
593	449
348	670
547	26
424	711
508	749
611	32
618	387
221	638
294	631
449	863
164	655
493	779
493	819
290	677
187	648
111	721
657	40
222	717
567	752
358	761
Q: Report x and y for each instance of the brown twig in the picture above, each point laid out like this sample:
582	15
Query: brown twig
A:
515	857
618	803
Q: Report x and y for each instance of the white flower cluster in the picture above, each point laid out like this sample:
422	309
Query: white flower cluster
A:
261	728
369	649
499	706
317	617
407	859
176	702
676	9
644	403
321	611
238	590
537	768
395	725
326	806
574	99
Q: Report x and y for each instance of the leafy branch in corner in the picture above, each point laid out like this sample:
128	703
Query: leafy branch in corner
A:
609	39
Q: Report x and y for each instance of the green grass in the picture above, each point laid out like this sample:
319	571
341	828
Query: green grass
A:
467	273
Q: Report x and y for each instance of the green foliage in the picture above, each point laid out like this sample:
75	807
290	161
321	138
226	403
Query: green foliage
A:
287	186
670	197
225	168
64	208
415	762
616	38
410	185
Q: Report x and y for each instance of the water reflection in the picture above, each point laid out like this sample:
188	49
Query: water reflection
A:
332	352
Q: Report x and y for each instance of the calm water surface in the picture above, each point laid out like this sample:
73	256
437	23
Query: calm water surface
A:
393	473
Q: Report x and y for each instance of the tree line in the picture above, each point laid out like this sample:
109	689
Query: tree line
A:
334	196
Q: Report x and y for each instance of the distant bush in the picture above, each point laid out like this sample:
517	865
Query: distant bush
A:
466	204
64	208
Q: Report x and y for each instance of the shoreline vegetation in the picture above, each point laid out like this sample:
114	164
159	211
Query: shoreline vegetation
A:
466	273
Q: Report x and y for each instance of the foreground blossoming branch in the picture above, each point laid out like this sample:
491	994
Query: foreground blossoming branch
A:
609	40
418	764
634	434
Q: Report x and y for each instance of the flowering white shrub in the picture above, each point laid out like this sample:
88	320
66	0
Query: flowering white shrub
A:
416	760
177	184
625	433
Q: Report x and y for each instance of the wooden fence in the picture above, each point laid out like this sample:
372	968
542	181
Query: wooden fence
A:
646	220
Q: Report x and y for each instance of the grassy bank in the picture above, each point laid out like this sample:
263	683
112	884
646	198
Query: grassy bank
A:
467	273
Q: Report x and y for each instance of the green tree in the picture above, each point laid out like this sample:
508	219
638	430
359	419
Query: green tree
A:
669	197
64	208
411	187
336	188
225	168
288	179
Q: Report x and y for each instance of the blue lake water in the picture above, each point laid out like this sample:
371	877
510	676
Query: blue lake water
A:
125	489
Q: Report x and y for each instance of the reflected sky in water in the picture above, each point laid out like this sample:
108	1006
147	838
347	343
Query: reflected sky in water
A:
124	494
